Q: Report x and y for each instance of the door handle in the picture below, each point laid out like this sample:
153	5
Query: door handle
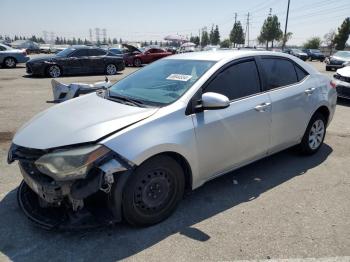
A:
309	91
262	107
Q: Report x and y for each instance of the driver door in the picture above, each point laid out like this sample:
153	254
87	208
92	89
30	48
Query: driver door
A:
78	62
234	136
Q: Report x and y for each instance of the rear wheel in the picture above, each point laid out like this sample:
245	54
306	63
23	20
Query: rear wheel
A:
153	191
111	69
10	62
137	62
314	135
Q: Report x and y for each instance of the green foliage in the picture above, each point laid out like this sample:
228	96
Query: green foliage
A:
226	43
237	34
313	43
342	36
270	31
195	40
205	38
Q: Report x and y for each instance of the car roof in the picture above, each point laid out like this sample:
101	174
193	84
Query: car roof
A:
219	55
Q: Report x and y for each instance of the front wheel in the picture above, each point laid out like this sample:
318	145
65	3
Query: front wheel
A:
153	191
54	71
10	62
137	62
314	135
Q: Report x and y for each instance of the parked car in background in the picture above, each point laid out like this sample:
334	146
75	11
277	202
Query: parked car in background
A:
28	45
135	148
314	54
76	60
342	81
297	52
139	57
338	60
46	48
9	56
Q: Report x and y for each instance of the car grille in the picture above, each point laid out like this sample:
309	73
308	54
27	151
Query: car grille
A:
342	78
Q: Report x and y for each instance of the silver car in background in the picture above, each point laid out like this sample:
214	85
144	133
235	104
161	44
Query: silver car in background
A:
136	147
9	56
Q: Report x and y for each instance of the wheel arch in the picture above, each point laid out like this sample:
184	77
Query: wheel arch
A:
183	162
324	110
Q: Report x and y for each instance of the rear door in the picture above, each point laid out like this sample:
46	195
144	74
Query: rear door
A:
292	97
96	60
239	134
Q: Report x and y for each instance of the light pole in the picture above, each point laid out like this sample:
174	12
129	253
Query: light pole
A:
285	28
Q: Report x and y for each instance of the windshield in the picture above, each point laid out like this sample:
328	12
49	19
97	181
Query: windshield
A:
343	54
161	82
65	52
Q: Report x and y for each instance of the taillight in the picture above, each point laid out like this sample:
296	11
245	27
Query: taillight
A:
333	84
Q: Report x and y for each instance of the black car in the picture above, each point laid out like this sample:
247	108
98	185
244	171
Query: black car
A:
315	54
338	60
76	60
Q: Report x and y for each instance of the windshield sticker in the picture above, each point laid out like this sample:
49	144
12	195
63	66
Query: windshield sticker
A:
179	77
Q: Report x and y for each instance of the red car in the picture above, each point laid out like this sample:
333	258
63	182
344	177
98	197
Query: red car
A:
149	55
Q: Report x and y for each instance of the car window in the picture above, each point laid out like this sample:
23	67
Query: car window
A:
80	53
2	48
161	82
301	74
96	52
279	72
237	81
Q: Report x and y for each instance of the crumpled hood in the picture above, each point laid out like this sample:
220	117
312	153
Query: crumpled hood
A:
345	71
80	120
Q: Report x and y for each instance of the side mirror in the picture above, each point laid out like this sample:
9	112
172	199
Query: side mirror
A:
212	101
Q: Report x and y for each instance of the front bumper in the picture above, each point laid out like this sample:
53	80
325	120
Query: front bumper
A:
35	69
343	89
70	205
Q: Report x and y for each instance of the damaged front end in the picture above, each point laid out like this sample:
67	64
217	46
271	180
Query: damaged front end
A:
71	188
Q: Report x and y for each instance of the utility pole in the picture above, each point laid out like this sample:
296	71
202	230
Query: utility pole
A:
247	29
285	28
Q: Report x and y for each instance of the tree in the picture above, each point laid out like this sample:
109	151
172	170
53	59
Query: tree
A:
237	34
313	43
286	38
115	41
120	41
270	31
156	42
211	35
216	36
343	34
109	41
205	38
226	43
328	40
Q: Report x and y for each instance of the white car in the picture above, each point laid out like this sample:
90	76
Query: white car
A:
134	148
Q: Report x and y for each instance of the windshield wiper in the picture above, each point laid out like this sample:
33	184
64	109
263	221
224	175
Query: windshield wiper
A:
125	99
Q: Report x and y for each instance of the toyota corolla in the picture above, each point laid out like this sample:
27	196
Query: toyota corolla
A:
131	151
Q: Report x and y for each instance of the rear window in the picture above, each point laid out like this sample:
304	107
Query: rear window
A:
279	72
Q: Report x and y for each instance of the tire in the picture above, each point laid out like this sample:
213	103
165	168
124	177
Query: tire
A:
314	135
10	62
153	191
54	71
111	69
328	68
137	62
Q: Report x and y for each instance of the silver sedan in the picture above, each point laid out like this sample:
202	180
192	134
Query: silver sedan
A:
135	148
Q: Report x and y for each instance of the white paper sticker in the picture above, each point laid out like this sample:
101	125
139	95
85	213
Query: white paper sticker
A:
179	77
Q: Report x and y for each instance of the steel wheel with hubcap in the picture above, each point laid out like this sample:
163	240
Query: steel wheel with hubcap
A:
137	62
10	62
153	191
314	135
54	71
111	69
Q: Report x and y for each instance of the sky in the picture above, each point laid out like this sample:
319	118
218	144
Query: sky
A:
152	20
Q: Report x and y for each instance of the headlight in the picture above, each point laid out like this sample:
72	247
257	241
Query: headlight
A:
70	164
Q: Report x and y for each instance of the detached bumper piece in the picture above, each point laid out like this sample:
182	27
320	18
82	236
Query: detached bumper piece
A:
342	86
